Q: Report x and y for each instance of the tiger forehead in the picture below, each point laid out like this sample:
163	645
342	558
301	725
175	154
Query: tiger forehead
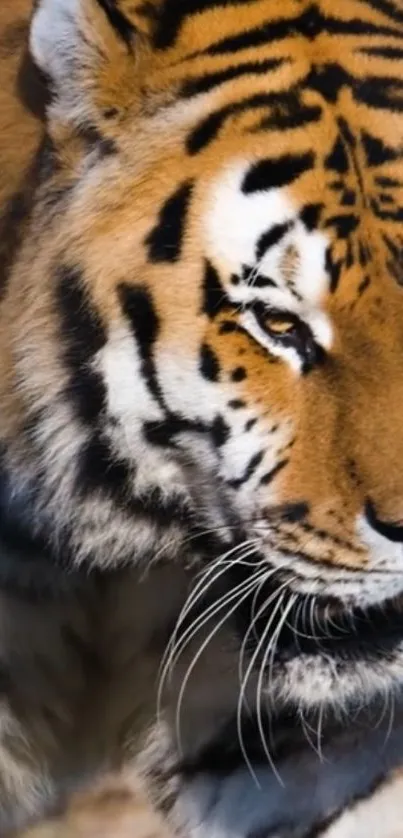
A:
319	184
269	82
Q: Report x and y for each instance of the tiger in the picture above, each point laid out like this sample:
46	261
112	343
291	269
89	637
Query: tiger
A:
201	394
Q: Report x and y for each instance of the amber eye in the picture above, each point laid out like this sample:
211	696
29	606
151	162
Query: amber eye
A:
281	325
289	331
278	325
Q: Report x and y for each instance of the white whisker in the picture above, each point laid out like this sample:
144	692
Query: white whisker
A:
198	590
243	589
319	732
271	650
392	713
197	657
179	643
241	698
255	616
207	578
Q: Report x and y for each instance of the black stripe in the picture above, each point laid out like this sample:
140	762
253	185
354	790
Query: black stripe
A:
328	80
337	159
260	281
348	135
276	172
163	433
220	431
138	307
364	253
253	464
393	53
380	92
215	299
99	469
202	84
310	216
389	9
209	364
82	335
391	530
333	268
344	224
207	130
256	37
236	404
386	215
249	275
164	243
376	151
310	24
393	247
364	284
289	113
387	182
118	21
270	475
174	13
271	237
357	26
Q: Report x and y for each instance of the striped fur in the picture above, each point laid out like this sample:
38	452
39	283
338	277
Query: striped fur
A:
201	392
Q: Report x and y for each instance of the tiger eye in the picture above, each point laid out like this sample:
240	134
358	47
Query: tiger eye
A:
288	330
278	326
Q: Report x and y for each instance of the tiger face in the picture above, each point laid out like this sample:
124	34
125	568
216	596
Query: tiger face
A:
204	328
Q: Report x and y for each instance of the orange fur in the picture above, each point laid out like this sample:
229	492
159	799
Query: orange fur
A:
117	143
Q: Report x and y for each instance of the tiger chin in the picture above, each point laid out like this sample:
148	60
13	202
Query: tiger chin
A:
201	396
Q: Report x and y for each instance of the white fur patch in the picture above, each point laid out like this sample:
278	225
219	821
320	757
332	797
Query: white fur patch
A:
130	403
234	221
129	399
53	38
184	387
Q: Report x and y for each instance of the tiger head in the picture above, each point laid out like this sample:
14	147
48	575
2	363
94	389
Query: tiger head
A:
203	330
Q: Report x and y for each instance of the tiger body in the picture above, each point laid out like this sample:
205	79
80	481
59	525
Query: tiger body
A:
201	388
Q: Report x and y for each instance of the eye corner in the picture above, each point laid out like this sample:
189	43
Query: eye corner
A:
315	357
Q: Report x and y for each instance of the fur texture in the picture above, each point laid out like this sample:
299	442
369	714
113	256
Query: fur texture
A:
201	390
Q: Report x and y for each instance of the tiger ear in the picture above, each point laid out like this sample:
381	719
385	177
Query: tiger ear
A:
84	47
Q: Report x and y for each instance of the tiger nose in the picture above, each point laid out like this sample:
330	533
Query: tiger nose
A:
389	528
